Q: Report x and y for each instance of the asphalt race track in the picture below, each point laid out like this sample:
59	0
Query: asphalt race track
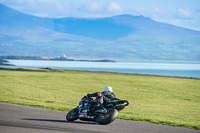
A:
19	119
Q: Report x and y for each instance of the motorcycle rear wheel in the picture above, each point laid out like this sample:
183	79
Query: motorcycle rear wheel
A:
107	118
72	115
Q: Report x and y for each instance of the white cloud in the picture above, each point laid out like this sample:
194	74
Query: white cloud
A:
156	9
186	12
114	7
94	6
95	9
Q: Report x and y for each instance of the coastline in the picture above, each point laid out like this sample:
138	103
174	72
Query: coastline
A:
59	58
5	63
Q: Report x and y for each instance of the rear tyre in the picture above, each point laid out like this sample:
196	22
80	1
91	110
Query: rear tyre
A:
107	118
72	115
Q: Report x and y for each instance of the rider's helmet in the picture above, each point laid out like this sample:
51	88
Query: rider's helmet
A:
108	88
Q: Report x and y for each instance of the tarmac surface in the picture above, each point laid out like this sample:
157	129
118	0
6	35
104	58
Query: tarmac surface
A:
20	119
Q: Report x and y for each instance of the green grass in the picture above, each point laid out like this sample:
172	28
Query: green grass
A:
163	100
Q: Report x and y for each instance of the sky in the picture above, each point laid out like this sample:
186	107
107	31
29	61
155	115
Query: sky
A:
183	13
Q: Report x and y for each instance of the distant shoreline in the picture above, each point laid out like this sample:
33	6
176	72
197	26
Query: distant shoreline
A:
5	63
59	58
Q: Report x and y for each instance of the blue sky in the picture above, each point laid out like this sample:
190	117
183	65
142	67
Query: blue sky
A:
184	13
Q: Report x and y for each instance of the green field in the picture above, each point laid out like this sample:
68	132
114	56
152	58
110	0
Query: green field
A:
163	100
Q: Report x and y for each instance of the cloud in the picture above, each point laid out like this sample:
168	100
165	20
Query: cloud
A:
156	9
114	7
187	18
94	6
187	13
96	9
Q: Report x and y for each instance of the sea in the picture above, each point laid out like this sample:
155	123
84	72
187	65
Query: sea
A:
165	68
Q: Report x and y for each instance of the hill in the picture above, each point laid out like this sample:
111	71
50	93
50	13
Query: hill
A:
118	37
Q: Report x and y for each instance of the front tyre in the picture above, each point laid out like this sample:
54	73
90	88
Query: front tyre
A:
72	115
107	118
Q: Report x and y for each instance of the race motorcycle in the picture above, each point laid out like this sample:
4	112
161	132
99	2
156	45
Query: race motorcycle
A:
86	111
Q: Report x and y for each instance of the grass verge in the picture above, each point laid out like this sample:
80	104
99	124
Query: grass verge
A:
161	100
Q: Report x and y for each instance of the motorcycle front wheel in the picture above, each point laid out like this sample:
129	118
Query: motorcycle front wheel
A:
107	118
72	115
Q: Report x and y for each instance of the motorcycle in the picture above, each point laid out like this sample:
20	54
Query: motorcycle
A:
86	111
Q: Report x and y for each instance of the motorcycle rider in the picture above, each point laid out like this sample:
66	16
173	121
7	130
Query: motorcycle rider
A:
103	97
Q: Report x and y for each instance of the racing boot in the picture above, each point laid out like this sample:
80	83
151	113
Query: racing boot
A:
100	109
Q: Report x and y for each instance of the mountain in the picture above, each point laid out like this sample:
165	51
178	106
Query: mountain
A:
119	37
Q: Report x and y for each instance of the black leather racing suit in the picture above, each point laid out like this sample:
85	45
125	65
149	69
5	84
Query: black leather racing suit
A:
106	96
